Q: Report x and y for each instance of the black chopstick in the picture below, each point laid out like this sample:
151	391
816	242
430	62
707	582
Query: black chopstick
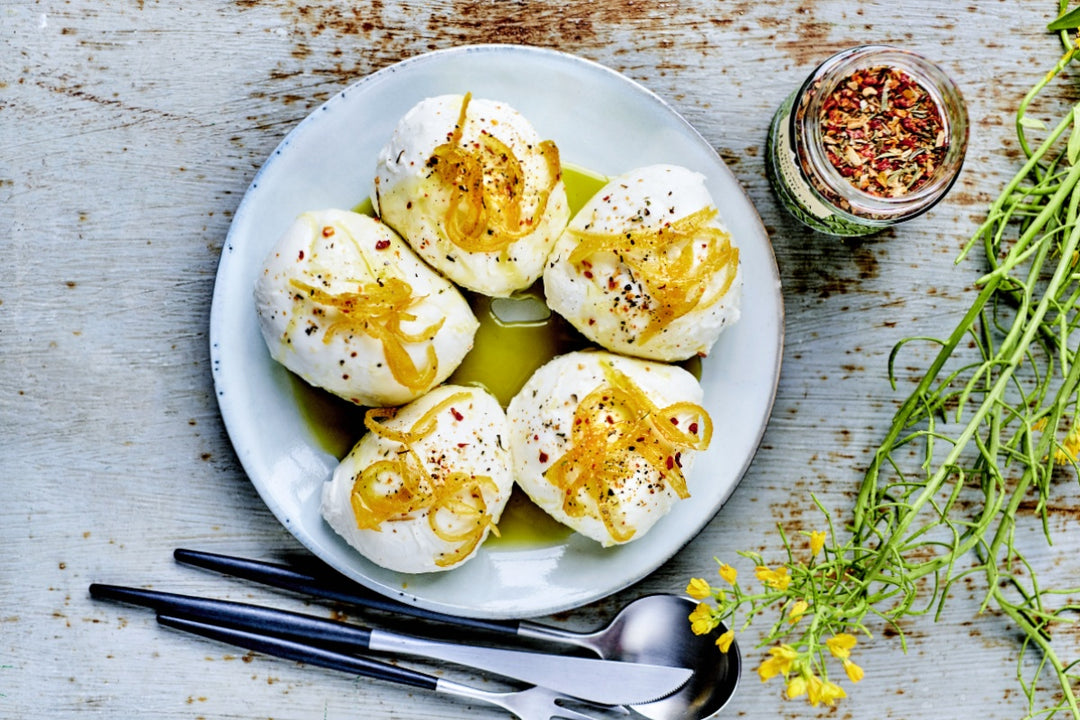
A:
243	616
337	588
301	652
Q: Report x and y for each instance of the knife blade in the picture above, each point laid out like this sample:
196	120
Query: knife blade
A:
603	681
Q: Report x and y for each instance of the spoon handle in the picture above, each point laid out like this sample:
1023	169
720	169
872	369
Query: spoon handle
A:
547	633
330	586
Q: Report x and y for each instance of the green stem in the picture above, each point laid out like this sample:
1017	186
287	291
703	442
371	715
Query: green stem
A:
1062	63
900	421
1016	347
1044	645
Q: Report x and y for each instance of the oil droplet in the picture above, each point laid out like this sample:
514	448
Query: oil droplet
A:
581	185
516	336
335	424
365	207
524	524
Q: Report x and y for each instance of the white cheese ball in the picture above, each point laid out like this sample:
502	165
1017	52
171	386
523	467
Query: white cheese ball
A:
643	471
346	305
414	198
465	446
651	290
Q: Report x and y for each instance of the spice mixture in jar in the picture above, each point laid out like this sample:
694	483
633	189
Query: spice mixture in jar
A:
883	132
875	136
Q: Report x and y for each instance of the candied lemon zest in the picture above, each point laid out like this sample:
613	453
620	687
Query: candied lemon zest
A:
378	309
396	487
614	427
488	189
667	263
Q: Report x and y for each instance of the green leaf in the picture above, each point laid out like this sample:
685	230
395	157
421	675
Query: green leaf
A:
1032	123
1068	21
1073	147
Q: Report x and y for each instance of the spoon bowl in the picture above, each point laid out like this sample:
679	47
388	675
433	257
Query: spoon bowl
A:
656	629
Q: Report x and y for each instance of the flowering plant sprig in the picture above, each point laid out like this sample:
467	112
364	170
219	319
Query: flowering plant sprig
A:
819	611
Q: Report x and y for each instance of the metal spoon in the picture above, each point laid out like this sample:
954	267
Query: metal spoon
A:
653	629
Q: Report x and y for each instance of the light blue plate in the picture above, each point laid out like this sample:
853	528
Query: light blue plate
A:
600	120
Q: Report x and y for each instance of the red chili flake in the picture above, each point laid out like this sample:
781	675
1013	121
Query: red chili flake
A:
328	231
543	456
610	420
588	274
678	459
461	445
883	131
382	244
674	421
300	256
670	462
457	416
692	428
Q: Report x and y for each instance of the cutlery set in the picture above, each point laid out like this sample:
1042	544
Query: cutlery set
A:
556	685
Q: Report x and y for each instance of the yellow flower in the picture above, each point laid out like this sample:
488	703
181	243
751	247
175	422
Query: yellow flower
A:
1070	447
854	672
840	645
698	589
728	573
820	691
724	641
797	611
778	663
817	542
702	620
777	579
831	692
796	687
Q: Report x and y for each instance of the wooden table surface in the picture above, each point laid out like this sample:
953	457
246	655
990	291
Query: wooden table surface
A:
129	131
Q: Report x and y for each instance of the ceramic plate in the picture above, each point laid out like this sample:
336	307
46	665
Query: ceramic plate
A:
601	121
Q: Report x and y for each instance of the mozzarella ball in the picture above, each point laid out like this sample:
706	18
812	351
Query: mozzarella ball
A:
345	304
476	192
647	268
603	443
422	489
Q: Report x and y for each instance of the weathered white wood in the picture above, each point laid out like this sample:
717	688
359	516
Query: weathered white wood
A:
129	131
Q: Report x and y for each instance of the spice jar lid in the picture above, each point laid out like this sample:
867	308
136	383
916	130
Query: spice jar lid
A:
838	179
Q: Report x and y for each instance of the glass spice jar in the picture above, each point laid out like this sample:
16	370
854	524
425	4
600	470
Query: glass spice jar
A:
875	136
